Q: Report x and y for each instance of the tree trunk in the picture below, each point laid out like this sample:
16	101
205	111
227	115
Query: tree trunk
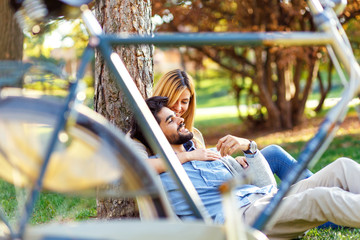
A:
12	38
265	97
122	16
282	101
313	69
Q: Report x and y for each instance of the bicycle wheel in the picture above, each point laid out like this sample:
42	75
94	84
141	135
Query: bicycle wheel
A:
89	154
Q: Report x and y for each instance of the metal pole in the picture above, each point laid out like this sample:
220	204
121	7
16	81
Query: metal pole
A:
222	39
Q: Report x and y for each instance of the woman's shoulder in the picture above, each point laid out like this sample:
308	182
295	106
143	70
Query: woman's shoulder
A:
198	137
197	131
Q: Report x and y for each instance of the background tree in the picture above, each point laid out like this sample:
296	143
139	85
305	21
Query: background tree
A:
11	41
275	80
122	16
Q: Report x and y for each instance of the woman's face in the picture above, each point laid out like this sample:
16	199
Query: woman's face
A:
182	104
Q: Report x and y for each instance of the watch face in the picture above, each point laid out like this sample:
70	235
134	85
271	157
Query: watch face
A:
253	147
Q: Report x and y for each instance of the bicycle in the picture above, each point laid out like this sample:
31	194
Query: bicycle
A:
75	120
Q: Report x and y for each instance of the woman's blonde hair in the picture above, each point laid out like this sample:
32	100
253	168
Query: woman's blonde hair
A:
172	85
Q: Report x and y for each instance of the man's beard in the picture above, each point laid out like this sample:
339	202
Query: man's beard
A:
182	138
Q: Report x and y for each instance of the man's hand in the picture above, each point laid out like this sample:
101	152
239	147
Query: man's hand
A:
231	144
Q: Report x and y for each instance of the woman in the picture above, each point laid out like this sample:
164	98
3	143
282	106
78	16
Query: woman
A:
178	86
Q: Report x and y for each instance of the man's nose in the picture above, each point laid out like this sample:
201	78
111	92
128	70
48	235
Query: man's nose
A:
180	120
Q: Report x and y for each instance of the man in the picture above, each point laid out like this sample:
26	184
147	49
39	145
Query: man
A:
332	194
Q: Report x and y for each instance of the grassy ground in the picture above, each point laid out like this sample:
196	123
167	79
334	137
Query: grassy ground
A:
55	207
49	207
345	144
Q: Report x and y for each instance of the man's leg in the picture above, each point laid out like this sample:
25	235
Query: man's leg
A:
343	173
281	162
308	209
313	201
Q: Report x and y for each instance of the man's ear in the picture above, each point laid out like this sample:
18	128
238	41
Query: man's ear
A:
157	118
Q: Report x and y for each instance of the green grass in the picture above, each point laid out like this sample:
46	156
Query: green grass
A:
50	206
214	92
341	146
214	119
57	207
338	234
53	206
345	144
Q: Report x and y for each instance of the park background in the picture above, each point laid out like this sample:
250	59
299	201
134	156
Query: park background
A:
217	113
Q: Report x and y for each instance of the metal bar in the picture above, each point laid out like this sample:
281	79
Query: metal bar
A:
222	39
315	7
340	44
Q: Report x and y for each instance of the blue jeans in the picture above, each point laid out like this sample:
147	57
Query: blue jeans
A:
281	162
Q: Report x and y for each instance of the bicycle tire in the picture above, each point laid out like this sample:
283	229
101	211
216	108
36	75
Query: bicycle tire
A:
26	123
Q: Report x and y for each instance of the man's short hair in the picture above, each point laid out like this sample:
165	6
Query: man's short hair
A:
155	105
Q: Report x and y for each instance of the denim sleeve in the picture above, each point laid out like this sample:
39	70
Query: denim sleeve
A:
259	170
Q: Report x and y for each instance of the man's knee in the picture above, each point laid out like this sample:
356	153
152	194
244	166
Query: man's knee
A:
273	148
344	163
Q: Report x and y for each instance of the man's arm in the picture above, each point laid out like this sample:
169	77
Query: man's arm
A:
259	170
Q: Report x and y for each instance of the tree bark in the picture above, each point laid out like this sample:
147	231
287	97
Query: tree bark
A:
122	16
282	101
264	96
12	37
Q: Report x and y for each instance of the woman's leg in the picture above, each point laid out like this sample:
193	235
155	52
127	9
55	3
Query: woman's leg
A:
281	162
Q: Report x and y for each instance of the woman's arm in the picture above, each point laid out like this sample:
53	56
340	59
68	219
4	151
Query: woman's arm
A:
197	154
158	164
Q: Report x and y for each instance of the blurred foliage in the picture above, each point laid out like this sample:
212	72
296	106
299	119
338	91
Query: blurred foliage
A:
278	78
60	32
62	43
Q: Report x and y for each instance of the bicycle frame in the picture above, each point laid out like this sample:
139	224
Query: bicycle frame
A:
329	35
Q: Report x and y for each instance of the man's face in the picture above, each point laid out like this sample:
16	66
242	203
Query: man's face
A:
173	127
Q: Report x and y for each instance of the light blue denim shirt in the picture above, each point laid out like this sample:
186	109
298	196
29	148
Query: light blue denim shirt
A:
206	177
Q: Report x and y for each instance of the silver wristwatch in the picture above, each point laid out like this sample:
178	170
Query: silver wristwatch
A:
252	148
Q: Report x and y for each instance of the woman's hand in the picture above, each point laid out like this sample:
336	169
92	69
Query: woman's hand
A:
199	154
242	161
231	144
